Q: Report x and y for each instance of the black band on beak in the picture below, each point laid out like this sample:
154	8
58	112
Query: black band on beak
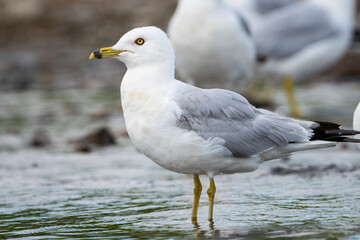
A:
97	53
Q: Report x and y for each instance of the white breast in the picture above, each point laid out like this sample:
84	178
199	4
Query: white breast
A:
150	117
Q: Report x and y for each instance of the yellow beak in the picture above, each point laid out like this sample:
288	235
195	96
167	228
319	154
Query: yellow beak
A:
105	53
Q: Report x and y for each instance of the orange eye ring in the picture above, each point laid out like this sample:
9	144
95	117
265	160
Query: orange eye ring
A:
139	41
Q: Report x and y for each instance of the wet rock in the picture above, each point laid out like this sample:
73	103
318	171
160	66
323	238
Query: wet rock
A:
312	171
101	137
40	139
82	147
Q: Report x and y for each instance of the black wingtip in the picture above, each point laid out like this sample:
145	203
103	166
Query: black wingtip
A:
331	132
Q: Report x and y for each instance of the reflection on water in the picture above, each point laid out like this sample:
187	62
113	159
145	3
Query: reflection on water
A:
118	193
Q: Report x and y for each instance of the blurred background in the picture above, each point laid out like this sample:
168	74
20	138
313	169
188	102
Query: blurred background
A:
51	92
48	85
45	44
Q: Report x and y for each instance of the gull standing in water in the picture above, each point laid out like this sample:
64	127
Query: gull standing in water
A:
303	39
198	131
212	44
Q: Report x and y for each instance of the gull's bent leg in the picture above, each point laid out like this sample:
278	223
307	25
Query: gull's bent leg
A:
288	86
211	193
197	194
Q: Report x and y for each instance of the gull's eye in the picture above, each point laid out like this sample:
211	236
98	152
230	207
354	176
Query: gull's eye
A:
139	41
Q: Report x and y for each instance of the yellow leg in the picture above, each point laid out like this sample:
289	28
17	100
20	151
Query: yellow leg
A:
211	193
197	194
288	86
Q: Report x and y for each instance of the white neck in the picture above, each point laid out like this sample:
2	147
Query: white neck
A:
143	94
147	78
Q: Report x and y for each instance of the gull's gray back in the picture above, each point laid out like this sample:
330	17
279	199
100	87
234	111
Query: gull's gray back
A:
216	113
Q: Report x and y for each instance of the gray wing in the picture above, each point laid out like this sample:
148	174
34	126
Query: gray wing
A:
267	6
216	113
290	29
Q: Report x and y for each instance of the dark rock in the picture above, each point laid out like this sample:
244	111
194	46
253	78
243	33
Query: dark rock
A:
82	147
40	139
101	137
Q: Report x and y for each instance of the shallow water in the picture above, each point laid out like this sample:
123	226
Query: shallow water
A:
118	193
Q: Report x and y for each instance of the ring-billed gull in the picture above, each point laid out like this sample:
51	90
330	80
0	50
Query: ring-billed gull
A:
304	39
197	131
212	44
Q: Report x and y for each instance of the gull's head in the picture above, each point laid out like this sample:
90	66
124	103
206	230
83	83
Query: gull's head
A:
140	46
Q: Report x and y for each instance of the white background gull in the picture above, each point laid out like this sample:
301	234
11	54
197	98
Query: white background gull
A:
356	119
212	44
303	39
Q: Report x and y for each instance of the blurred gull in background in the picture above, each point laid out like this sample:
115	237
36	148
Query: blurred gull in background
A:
356	119
255	10
212	44
303	39
197	131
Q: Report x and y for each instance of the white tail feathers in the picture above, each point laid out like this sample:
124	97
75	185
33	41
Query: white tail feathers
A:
282	152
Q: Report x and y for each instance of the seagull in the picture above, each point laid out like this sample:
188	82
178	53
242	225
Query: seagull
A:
356	118
303	39
212	44
196	131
